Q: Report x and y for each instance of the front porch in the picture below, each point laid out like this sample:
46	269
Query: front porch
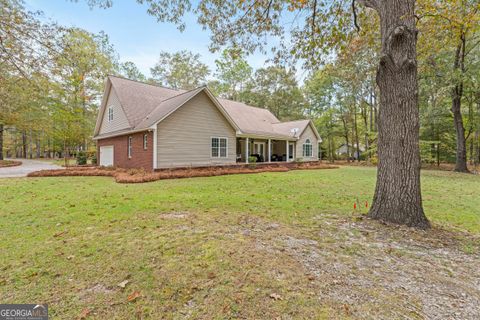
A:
265	150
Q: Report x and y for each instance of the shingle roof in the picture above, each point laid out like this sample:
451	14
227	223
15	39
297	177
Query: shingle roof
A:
145	104
138	99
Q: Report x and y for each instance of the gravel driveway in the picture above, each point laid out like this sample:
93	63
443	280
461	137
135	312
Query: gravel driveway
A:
25	168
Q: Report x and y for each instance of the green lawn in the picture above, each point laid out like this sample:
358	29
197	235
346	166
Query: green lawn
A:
204	247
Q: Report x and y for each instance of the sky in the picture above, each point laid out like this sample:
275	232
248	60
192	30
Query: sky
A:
136	36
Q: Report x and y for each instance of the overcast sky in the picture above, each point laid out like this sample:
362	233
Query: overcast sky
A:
137	36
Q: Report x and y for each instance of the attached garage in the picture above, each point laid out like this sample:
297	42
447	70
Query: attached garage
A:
106	156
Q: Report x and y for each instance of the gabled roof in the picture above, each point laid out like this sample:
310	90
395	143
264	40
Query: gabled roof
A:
145	105
166	107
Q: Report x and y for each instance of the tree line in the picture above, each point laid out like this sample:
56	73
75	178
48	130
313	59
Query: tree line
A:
52	77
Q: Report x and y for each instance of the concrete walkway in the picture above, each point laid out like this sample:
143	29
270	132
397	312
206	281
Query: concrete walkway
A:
26	167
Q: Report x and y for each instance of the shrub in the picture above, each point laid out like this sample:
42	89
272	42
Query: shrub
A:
252	162
94	159
81	158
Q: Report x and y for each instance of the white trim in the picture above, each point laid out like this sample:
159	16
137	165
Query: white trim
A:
269	150
309	143
264	147
265	137
211	146
246	150
155	155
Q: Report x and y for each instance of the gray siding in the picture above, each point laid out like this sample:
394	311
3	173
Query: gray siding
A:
119	119
307	134
184	137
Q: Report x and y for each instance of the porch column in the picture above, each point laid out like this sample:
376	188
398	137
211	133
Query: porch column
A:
269	150
246	150
288	156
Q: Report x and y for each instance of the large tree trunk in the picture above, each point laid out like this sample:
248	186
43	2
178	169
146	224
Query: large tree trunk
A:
397	196
1	141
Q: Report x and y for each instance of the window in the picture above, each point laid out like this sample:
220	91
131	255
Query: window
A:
130	146
307	149
145	141
219	147
110	114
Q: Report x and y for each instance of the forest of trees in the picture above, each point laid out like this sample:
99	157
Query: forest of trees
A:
52	77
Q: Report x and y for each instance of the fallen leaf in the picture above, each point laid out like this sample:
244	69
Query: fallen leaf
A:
59	234
123	284
275	296
84	314
134	296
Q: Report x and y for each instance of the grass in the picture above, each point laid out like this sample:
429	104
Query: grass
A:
202	247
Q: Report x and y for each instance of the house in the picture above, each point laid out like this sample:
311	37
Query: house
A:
352	150
153	127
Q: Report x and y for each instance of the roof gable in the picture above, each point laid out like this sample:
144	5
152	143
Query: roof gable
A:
139	99
145	105
168	106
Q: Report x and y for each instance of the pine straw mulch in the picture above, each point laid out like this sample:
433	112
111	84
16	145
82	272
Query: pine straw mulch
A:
140	175
9	163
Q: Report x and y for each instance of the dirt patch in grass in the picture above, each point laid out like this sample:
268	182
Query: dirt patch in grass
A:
139	175
9	163
376	271
204	265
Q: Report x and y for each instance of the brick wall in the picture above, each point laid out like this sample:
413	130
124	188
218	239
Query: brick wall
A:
140	158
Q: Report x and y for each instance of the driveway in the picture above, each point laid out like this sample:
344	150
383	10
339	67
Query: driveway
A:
25	168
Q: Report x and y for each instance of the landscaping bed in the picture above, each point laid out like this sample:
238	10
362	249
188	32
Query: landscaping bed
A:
9	163
140	175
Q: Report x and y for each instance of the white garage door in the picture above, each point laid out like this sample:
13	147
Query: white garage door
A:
106	156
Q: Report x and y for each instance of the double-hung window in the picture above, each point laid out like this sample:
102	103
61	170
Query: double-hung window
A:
130	138
219	147
110	114
307	149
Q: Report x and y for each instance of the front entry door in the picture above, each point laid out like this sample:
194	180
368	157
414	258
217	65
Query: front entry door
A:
259	148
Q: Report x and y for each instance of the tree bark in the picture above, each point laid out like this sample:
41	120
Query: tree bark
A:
24	144
345	130
1	141
457	93
357	139
397	196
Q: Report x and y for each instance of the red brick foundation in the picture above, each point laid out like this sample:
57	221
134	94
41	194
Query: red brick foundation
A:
140	158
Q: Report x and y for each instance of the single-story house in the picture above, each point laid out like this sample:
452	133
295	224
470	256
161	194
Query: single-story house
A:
352	150
149	126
